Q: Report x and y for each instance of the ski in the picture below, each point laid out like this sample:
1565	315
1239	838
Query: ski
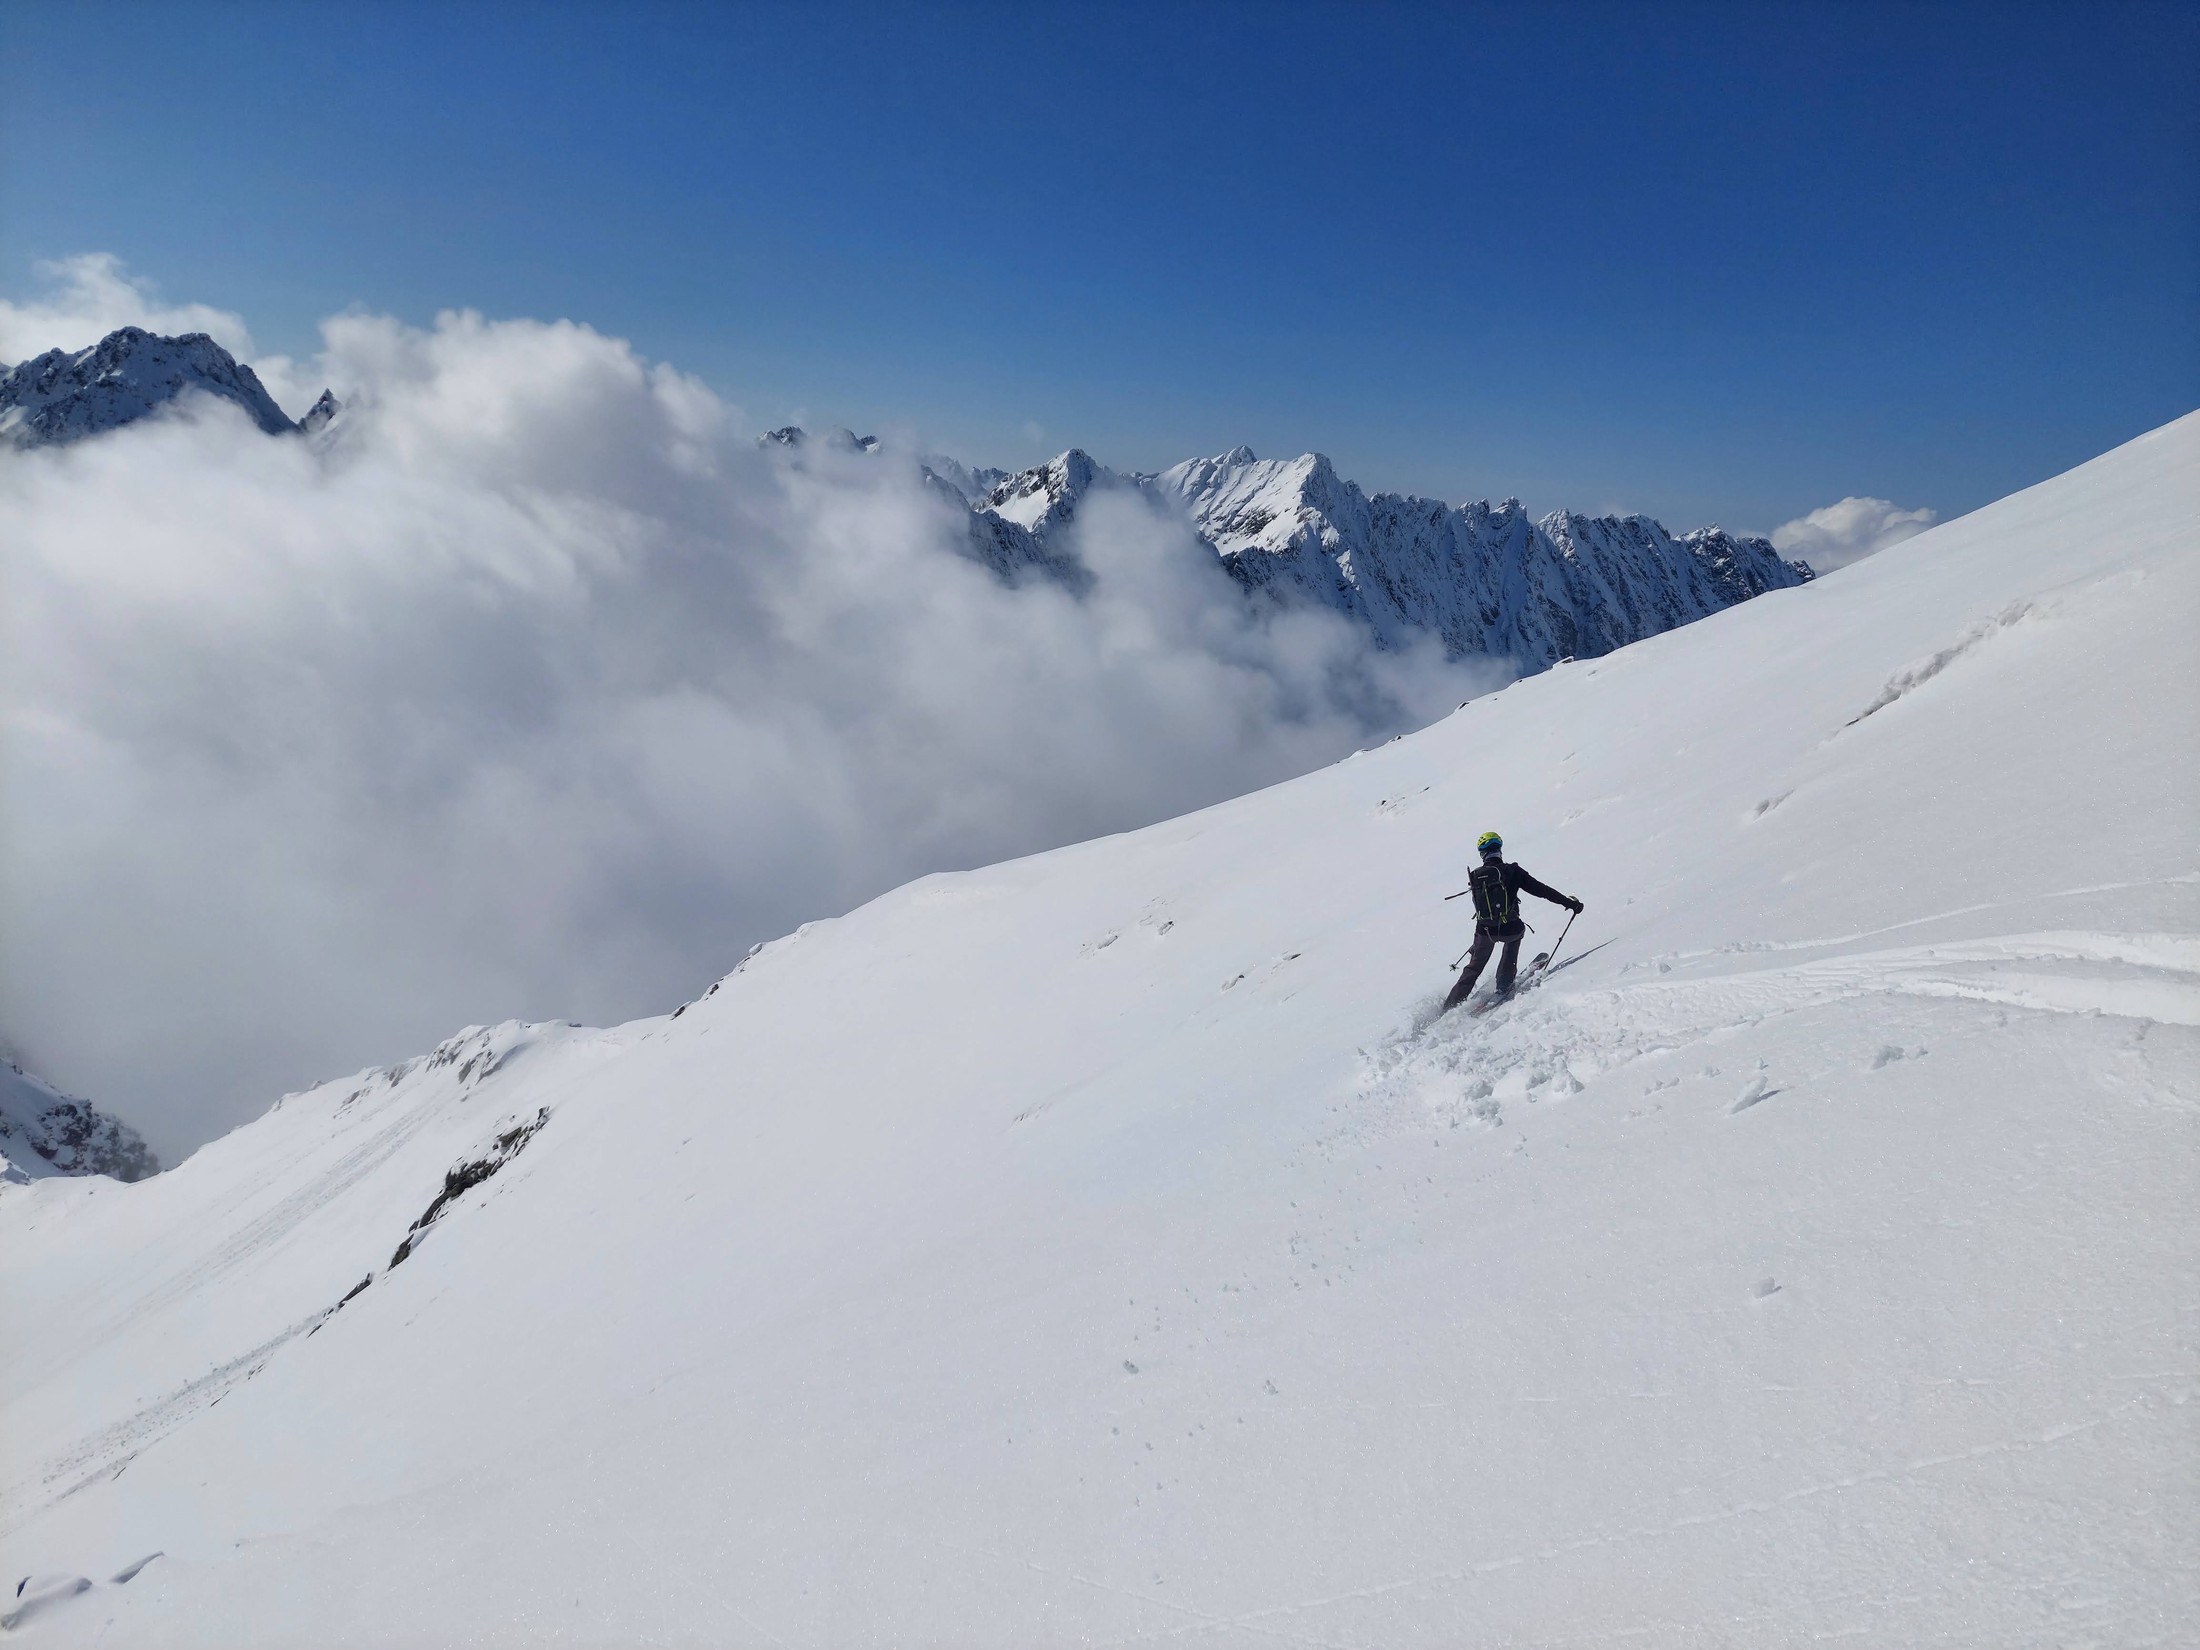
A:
1532	975
1577	956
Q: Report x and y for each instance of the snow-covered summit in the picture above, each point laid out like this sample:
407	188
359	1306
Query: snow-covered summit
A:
1044	500
45	1132
1483	579
1243	503
793	438
67	395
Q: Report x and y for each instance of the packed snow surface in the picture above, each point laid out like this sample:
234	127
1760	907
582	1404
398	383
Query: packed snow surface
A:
1104	1248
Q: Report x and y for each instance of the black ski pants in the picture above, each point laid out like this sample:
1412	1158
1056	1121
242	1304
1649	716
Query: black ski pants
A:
1508	964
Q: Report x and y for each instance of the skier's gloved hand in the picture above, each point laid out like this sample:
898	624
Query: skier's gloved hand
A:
1576	905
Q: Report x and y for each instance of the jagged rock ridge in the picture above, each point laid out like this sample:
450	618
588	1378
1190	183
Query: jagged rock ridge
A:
1484	579
66	395
44	1132
321	414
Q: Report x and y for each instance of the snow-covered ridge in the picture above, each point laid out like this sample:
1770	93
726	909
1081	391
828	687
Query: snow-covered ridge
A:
1482	579
67	395
45	1132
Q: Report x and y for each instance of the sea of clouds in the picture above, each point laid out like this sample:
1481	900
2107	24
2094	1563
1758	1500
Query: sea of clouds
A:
543	691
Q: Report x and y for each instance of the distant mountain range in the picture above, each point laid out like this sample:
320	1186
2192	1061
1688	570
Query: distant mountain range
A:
1482	579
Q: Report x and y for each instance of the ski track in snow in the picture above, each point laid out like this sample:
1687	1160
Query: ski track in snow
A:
1551	1042
390	1122
107	1454
1744	946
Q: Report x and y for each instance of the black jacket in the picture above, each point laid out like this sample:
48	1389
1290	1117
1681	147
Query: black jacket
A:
1518	882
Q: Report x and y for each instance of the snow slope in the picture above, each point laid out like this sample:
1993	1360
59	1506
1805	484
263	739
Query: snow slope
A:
1089	1250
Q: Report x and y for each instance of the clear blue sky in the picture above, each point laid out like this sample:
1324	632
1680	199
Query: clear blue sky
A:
1713	262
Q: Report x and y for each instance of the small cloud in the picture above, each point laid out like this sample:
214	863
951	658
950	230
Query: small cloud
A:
90	295
1849	531
1034	431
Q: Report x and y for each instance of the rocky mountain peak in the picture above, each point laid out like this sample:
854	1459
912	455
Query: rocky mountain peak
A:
319	415
1483	579
68	395
44	1132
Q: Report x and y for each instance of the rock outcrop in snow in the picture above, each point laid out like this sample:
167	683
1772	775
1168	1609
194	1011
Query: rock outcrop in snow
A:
45	1132
67	395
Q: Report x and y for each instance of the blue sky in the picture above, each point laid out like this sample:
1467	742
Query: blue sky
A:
1712	262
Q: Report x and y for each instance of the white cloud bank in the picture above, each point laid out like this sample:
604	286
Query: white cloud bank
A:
91	295
543	692
1849	531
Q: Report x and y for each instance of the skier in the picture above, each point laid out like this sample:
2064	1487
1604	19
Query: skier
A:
1497	887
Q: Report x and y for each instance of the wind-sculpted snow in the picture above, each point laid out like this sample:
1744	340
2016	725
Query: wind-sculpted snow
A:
1109	1247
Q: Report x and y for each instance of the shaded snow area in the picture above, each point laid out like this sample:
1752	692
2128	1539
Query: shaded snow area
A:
1108	1248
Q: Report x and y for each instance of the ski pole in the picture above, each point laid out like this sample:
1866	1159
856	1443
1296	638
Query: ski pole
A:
1462	894
1552	955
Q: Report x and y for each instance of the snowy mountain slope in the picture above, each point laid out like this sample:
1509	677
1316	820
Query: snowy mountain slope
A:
1001	542
45	1132
969	484
67	395
1089	1250
1483	578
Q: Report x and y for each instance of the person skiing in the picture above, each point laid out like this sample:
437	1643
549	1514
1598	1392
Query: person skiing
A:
1497	887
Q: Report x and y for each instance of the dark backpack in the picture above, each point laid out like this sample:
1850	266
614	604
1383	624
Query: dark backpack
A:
1493	900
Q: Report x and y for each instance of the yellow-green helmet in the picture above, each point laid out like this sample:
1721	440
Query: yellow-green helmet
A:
1489	842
